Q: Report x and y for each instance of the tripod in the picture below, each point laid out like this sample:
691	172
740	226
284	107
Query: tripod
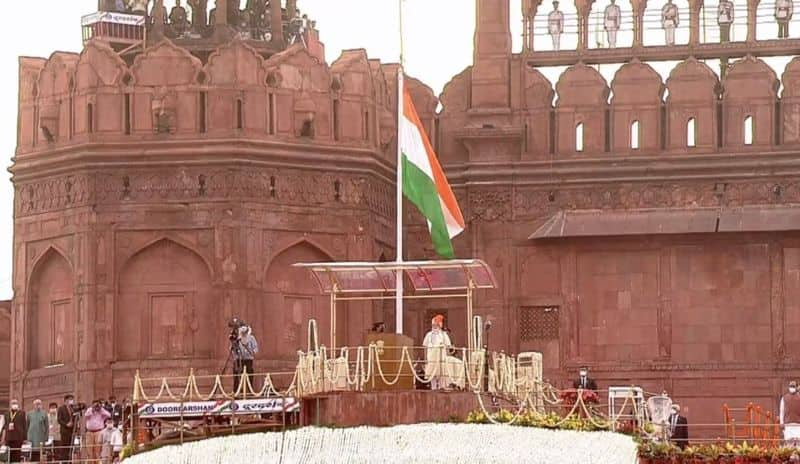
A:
239	364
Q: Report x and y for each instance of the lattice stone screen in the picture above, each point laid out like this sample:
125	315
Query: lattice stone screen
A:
538	323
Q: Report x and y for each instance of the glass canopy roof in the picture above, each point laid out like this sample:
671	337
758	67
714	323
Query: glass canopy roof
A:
424	276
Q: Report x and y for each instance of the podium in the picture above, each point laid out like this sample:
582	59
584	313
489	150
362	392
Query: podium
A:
389	349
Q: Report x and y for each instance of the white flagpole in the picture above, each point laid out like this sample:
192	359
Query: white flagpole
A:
399	221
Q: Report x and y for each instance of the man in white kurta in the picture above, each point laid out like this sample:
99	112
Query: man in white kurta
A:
436	343
790	416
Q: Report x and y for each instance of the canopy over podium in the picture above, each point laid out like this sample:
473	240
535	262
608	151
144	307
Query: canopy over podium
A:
349	281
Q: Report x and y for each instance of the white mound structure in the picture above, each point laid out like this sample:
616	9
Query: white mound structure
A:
423	443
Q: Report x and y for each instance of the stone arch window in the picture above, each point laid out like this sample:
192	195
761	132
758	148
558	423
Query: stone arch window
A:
579	137
51	312
748	130
126	112
336	110
239	114
691	133
71	107
635	130
272	111
164	305
289	288
202	113
90	118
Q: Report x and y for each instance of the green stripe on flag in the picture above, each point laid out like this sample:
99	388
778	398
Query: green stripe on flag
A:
421	190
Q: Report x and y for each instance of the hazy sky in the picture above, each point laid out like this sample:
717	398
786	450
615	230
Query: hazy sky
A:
438	45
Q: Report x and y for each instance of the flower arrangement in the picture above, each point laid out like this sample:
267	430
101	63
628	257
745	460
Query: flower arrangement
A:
420	443
550	421
744	453
571	396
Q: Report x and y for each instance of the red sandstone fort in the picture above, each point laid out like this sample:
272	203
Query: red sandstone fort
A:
162	189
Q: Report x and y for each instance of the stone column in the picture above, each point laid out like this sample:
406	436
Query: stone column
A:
752	6
638	21
221	13
529	8
277	23
777	309
158	20
694	21
222	29
490	71
584	8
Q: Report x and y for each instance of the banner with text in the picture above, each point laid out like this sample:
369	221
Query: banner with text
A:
218	408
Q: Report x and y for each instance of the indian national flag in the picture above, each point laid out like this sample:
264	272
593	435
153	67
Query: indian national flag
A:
424	182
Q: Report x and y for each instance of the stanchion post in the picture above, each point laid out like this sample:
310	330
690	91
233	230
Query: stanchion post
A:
134	425
182	423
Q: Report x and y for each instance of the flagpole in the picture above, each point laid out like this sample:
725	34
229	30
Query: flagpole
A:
399	189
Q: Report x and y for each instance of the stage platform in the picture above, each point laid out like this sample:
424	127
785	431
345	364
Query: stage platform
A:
349	409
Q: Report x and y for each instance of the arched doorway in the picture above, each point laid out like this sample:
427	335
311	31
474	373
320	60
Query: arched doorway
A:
52	319
164	309
292	298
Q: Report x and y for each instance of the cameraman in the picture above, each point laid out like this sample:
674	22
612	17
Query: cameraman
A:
244	351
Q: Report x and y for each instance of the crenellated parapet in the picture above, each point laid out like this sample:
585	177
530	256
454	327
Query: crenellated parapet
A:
639	114
167	93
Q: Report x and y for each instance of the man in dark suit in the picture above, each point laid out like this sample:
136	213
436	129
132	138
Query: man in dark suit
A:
15	430
114	409
66	425
678	428
584	382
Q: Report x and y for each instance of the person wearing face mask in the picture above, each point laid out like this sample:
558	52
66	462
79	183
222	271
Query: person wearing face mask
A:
66	427
678	428
95	418
15	431
790	415
106	437
114	409
584	382
37	429
53	430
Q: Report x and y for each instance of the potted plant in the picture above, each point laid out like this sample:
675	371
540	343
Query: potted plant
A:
646	453
710	453
664	452
691	455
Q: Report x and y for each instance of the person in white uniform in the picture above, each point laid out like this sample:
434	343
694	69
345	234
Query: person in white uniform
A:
669	21
611	23
555	26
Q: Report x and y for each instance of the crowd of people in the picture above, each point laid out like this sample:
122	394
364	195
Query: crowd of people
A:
64	432
253	21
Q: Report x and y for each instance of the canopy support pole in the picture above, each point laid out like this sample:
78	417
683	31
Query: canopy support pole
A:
469	316
333	320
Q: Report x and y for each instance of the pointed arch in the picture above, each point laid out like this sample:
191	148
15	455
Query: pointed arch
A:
165	304
52	316
178	241
291	299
